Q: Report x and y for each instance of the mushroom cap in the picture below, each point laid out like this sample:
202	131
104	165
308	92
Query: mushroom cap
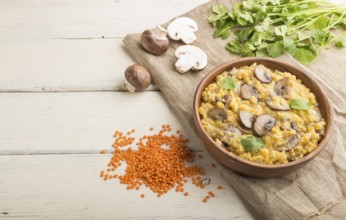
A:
138	76
233	130
263	124
217	114
316	115
282	87
246	118
291	143
154	44
277	106
190	57
183	28
246	91
262	74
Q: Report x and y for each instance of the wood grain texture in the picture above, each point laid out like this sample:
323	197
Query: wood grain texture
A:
85	18
58	61
43	65
51	123
69	187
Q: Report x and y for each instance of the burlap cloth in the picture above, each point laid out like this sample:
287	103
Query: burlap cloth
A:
317	191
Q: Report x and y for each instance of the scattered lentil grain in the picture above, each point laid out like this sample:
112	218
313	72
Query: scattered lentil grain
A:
158	162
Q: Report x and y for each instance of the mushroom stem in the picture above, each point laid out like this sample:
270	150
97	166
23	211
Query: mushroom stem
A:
129	87
185	63
162	29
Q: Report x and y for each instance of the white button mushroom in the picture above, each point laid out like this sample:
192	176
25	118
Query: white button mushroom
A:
137	78
155	41
183	29
190	57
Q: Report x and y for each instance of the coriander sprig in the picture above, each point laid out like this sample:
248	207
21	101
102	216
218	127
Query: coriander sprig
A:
274	27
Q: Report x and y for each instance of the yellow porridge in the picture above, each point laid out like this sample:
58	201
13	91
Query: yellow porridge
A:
262	115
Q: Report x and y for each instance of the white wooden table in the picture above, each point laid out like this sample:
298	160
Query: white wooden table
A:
61	99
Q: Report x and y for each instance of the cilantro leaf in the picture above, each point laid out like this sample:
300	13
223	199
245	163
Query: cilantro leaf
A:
244	35
276	49
234	46
252	143
256	38
219	9
299	104
321	23
223	31
228	83
321	37
247	50
281	30
248	4
298	27
237	7
340	43
304	55
289	45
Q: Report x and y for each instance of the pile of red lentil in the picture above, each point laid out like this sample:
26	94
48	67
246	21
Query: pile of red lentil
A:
157	162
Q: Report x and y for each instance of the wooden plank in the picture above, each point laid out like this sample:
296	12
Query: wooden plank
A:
63	65
69	187
85	18
51	123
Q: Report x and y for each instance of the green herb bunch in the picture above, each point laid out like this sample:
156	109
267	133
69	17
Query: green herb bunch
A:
269	28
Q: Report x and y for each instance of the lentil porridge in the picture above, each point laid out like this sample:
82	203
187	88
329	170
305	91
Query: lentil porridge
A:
262	115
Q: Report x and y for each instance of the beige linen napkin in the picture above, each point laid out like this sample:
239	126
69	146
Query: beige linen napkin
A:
316	191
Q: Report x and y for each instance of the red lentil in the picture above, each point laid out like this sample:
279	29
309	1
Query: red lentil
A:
160	169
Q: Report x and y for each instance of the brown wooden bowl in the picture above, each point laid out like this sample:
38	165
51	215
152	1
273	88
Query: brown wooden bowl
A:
246	167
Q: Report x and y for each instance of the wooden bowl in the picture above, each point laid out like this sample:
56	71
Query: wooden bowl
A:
246	167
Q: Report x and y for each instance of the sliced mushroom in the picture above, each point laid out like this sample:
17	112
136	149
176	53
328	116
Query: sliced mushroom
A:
227	98
233	71
246	118
190	57
217	114
233	130
263	74
224	136
290	144
238	86
316	115
277	106
282	87
246	91
263	124
294	126
245	130
183	29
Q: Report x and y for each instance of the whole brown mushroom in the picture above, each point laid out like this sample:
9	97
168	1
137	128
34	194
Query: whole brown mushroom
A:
137	78
156	44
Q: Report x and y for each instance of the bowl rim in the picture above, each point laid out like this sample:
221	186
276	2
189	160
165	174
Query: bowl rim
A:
219	69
